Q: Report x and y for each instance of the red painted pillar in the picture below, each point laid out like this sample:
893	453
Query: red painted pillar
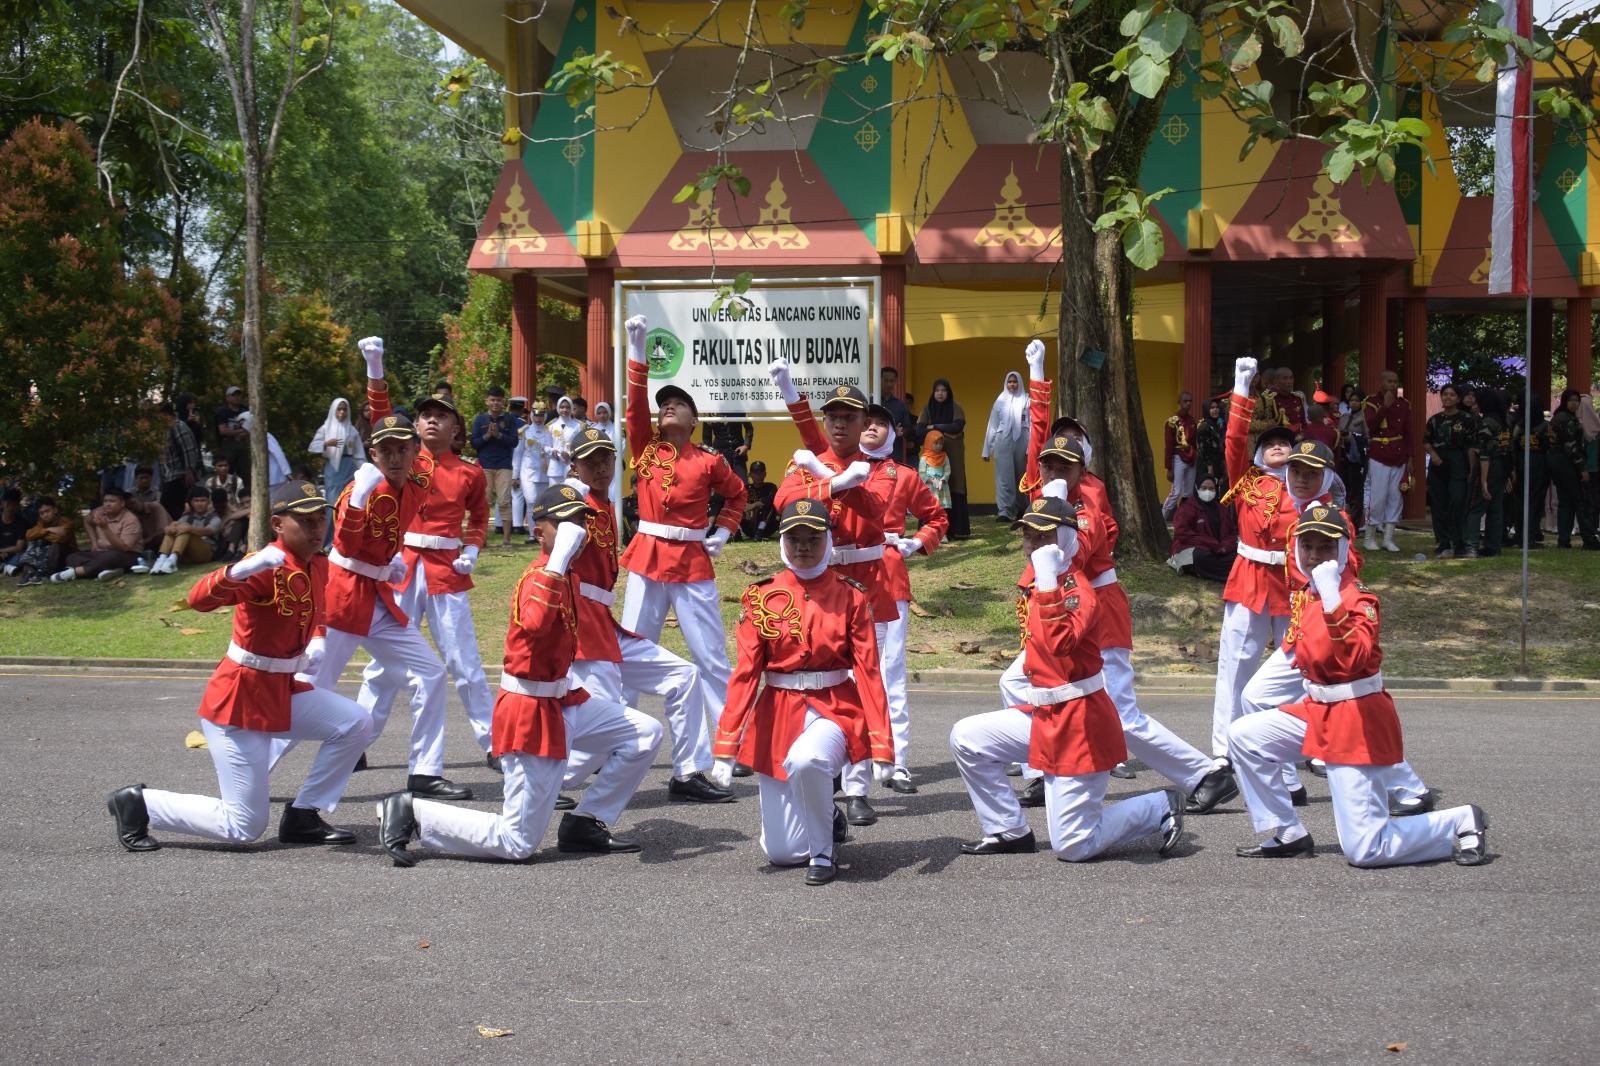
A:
1391	354
1197	333
1543	348
1374	327
600	358
1414	377
892	320
524	335
1580	343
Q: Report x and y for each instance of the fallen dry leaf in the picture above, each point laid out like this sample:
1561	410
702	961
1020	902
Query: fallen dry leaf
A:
997	656
423	944
968	647
923	649
730	599
195	739
964	585
167	622
186	631
119	584
181	605
750	566
918	610
946	611
490	1034
1395	1047
671	623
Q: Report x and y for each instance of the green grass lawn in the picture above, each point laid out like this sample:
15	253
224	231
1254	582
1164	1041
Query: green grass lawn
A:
1441	619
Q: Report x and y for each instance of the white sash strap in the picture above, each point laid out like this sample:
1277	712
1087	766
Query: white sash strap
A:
1350	690
1260	555
1073	690
1107	578
356	566
656	529
597	594
810	681
423	540
265	663
845	554
523	687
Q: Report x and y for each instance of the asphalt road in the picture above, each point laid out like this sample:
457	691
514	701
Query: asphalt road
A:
695	949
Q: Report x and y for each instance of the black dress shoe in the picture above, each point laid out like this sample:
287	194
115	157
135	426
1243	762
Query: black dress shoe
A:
1013	769
1404	808
1216	787
859	812
1024	844
565	803
1271	849
397	824
841	828
696	789
1476	853
1123	772
304	825
1298	797
820	873
133	820
742	770
900	781
361	764
1033	795
438	788
1315	767
581	833
1172	824
493	762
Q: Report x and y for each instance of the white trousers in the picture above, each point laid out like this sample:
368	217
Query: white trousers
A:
1245	634
530	493
797	814
648	667
243	760
1278	682
857	776
1383	492
699	611
519	509
403	650
450	621
1369	837
1182	485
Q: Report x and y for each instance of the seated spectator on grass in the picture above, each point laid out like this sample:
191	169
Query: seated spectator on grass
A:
50	541
225	480
13	528
760	516
236	528
193	538
113	534
1205	534
144	500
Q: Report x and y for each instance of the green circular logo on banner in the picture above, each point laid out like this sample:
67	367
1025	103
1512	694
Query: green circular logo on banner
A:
665	352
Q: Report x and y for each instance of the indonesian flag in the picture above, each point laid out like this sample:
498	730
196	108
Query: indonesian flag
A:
1508	235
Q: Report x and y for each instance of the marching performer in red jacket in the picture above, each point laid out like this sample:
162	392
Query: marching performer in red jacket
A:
669	560
254	697
807	633
1067	728
1178	455
540	719
1349	720
610	660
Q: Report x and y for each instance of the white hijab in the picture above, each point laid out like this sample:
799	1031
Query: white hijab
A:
1009	417
332	427
611	428
813	572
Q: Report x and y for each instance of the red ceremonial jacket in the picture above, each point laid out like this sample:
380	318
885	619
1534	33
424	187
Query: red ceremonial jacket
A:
457	490
1079	736
1179	439
540	646
597	565
1388	430
791	625
1266	514
674	489
276	615
1334	649
909	495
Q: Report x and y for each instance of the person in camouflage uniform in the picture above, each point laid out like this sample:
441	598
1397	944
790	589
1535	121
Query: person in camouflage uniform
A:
1451	441
1493	476
1566	464
1534	439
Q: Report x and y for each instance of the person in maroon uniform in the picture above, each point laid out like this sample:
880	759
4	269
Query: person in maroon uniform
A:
1178	455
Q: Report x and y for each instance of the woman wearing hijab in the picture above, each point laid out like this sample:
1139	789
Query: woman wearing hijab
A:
1205	534
1590	420
945	415
342	452
1007	441
934	468
1208	437
1567	465
562	429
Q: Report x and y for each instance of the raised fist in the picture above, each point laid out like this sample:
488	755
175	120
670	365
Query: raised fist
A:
636	327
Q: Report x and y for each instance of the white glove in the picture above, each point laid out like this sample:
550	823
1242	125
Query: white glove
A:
721	773
269	558
1244	371
313	655
781	378
1048	562
907	546
466	560
854	474
577	485
881	772
636	327
809	462
372	352
570	538
367	478
1325	579
1034	353
397	569
1055	490
717	541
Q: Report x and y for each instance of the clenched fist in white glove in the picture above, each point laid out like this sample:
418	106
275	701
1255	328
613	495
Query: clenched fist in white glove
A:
269	558
1244	372
367	478
781	378
881	772
636	327
372	352
717	541
1325	579
313	655
721	773
1055	490
577	485
808	461
1048	562
1034	353
907	546
467	560
854	474
397	569
570	538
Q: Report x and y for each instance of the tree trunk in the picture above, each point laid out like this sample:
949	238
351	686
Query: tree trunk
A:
255	228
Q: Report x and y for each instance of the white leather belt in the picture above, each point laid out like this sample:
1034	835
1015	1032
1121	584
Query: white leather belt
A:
264	662
809	681
1260	555
1350	690
656	529
523	687
597	594
1107	578
845	554
1072	690
423	540
356	566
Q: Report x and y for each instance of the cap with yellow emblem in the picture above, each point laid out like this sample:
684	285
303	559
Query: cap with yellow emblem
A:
297	497
804	514
560	503
591	441
845	396
393	427
1047	513
1322	519
1062	447
1313	453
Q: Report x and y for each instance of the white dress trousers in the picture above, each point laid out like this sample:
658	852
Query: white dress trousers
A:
1369	837
857	777
1384	501
797	814
1148	740
1245	634
243	760
1182	485
699	612
648	667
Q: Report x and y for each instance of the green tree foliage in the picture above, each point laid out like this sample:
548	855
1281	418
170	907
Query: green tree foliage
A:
309	360
477	348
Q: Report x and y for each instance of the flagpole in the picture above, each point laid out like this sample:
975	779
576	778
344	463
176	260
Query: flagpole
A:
1527	402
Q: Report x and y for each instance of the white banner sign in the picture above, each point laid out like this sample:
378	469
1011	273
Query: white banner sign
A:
825	331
